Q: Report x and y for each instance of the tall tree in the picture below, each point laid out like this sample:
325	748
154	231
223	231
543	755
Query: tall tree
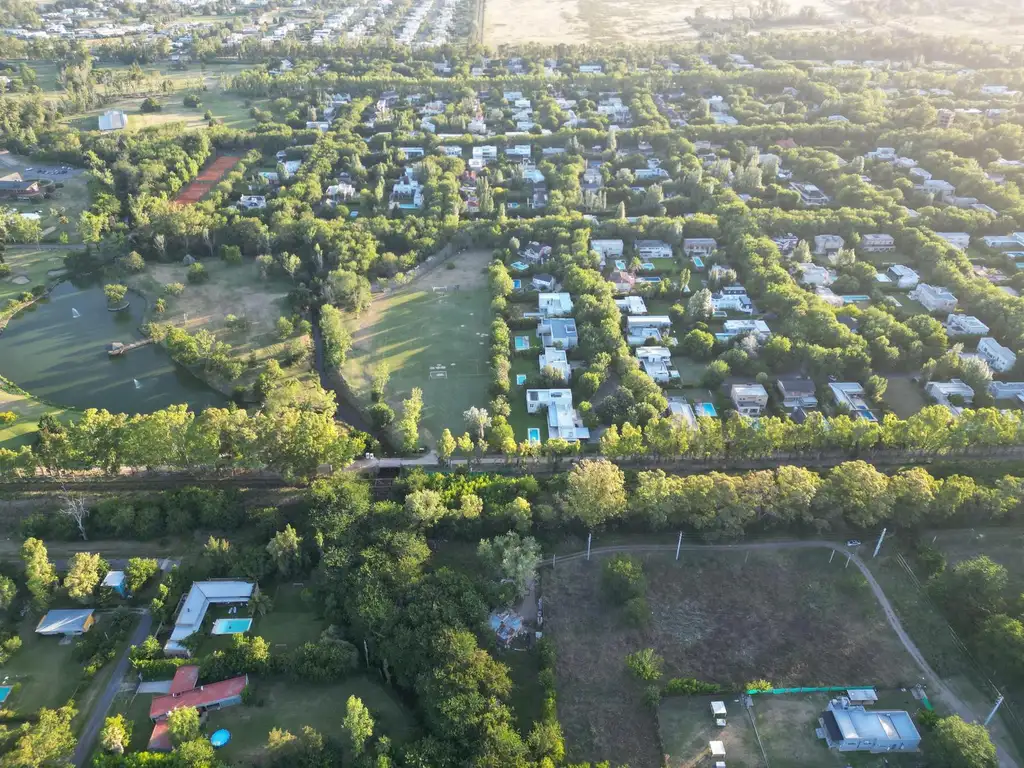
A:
40	575
357	724
85	570
956	744
286	550
513	557
595	491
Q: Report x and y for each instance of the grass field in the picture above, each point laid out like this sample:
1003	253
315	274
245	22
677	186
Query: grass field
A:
791	618
236	290
29	267
291	706
29	411
904	396
437	342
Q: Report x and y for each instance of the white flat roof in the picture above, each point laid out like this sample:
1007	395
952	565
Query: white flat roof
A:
199	598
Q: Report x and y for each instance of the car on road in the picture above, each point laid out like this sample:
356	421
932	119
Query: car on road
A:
853	543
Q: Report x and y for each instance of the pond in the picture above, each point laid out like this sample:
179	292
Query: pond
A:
57	350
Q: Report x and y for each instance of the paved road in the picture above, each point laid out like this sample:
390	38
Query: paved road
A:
91	731
937	690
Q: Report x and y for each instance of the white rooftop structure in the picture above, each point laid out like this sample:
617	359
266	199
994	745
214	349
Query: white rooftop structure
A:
554	304
965	325
632	305
555	358
657	363
200	597
113	120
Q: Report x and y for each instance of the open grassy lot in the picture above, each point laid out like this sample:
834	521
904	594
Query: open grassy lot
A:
231	290
29	411
29	267
789	617
291	706
439	342
904	396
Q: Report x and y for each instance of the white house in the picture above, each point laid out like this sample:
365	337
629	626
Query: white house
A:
543	282
608	249
965	325
940	189
193	609
646	327
653	249
797	393
903	277
814	274
657	363
485	152
877	243
943	390
934	298
406	194
554	304
731	301
998	357
959	240
1007	390
850	395
749	399
523	151
699	246
733	328
113	120
558	332
847	727
1012	242
554	358
252	202
827	245
810	195
563	421
632	305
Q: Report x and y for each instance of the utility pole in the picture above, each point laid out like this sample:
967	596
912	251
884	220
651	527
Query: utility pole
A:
999	703
878	546
589	537
679	544
830	557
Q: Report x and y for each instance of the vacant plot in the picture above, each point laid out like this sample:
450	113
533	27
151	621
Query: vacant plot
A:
1003	545
789	617
437	340
686	728
290	706
904	396
231	290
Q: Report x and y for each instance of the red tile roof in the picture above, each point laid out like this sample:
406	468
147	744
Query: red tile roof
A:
185	679
160	740
204	696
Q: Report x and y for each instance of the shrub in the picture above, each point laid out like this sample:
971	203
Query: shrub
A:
758	685
645	664
174	289
5	270
623	578
690	686
150	105
638	612
197	273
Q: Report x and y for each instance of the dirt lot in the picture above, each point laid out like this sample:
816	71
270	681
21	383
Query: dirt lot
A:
791	618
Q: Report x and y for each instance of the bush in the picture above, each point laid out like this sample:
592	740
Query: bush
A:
758	685
192	101
382	415
5	270
690	686
638	612
197	273
174	289
150	105
623	578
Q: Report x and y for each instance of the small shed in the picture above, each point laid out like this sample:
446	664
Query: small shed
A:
718	712
115	580
862	695
74	621
717	748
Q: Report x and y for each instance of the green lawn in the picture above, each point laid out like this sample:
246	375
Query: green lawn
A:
527	694
29	411
519	419
904	397
29	267
290	706
690	371
437	342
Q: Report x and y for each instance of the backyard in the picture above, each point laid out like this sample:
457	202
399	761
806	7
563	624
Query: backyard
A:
437	341
721	617
904	396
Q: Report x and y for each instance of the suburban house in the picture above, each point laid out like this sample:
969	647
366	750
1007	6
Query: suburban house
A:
810	195
485	153
1011	242
827	245
847	727
940	189
521	151
815	274
14	187
959	240
797	393
679	407
193	608
850	396
877	243
1007	390
653	249
543	282
632	305
934	298
343	190
726	301
113	120
554	304
657	363
640	329
70	621
558	332
406	194
749	399
184	693
733	328
608	249
563	421
252	202
942	391
699	246
903	277
786	243
554	358
622	281
965	325
998	357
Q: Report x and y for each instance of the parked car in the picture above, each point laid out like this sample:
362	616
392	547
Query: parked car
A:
853	543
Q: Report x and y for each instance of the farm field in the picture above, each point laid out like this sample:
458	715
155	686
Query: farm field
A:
237	290
721	617
439	342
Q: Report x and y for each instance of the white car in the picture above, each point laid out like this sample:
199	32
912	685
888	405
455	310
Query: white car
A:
853	543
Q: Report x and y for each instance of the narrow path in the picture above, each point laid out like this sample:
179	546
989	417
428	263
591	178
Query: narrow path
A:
937	689
91	730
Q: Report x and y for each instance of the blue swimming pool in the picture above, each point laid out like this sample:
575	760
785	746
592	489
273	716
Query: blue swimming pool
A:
647	266
620	265
522	342
854	298
519	266
517	284
533	435
231	626
654	279
5	691
707	409
698	262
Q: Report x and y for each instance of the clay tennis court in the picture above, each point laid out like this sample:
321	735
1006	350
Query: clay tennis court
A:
210	175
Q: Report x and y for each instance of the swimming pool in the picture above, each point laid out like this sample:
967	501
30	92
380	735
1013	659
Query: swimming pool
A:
698	262
231	626
654	279
533	435
5	691
519	266
620	265
520	379
522	342
517	284
647	266
854	298
707	409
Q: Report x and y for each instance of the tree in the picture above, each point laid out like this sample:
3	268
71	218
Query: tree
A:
446	446
715	374
116	734
183	724
284	327
645	664
409	425
115	293
8	591
478	420
971	590
956	744
381	414
698	344
357	724
85	570
49	741
381	377
623	578
594	492
802	253
859	492
138	571
40	575
286	550
699	307
512	557
75	508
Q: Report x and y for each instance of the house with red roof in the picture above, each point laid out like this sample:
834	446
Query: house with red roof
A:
184	692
